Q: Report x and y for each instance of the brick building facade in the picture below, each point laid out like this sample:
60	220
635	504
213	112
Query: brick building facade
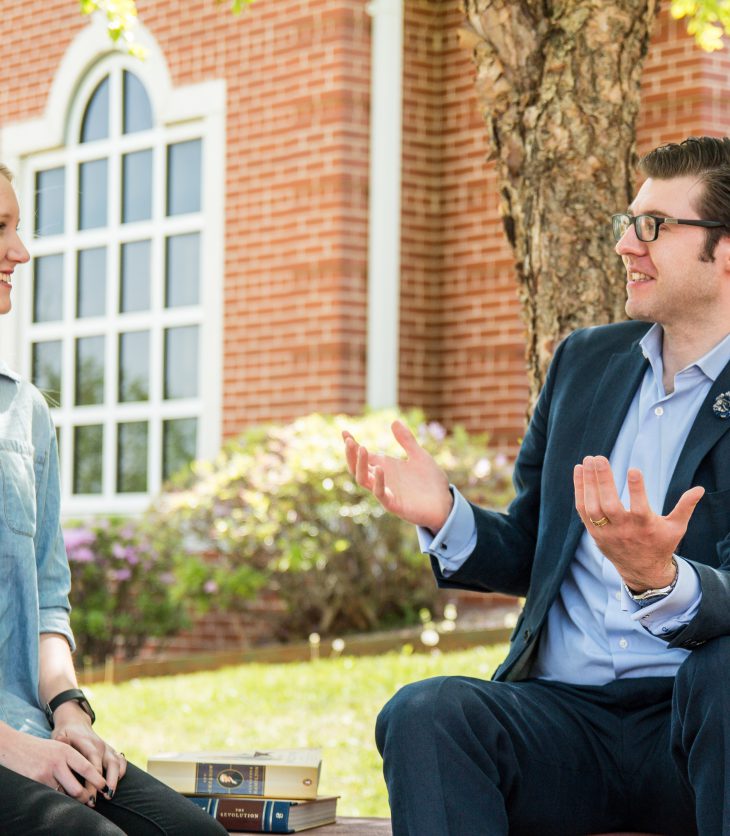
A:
273	108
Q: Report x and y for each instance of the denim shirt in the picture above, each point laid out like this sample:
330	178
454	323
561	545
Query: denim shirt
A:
34	573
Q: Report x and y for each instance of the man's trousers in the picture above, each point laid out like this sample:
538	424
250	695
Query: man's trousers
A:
463	756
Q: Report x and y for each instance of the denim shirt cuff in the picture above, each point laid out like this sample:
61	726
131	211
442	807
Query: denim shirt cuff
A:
55	620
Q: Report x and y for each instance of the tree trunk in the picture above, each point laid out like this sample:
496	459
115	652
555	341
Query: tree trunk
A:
558	83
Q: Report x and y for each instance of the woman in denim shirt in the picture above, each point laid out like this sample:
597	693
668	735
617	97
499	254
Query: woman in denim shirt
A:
57	776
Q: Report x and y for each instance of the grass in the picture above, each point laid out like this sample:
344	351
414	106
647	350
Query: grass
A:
330	703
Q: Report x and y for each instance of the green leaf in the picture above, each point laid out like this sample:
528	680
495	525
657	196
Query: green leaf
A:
708	21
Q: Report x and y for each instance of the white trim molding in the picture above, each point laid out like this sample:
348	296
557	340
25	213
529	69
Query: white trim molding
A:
386	116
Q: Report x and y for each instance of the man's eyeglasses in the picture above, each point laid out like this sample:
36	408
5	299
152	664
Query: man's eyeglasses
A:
647	226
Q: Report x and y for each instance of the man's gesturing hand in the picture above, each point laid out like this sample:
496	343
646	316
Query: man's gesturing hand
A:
637	541
415	488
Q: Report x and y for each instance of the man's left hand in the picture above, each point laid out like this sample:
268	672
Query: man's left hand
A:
638	542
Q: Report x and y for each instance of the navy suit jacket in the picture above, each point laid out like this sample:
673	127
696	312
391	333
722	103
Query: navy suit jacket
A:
526	551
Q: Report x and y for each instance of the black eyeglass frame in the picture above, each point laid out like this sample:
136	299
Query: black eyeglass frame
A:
619	217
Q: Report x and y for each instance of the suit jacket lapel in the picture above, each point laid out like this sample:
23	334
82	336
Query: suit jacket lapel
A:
611	400
706	431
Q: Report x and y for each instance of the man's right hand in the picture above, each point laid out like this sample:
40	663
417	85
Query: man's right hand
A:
50	762
415	488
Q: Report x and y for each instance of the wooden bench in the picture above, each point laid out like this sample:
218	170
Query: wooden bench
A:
381	827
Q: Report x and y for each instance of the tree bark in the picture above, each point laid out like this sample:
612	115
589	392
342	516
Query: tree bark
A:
559	85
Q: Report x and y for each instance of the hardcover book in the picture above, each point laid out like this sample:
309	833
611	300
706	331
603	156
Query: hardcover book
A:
266	815
275	773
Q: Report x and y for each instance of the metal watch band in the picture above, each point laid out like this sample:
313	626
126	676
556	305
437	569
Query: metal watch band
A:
72	694
649	596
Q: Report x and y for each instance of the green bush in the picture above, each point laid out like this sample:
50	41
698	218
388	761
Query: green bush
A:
123	589
277	510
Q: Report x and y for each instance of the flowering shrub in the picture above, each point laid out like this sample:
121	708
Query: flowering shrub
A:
278	510
122	588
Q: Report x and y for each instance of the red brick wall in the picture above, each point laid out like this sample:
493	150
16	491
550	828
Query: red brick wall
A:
684	90
461	337
296	207
484	384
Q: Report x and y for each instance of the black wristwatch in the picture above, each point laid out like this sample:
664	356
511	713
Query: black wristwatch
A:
75	694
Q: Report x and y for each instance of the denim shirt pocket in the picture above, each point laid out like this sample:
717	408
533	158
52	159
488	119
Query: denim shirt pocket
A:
18	487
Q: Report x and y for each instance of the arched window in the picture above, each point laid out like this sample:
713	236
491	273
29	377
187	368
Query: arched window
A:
119	316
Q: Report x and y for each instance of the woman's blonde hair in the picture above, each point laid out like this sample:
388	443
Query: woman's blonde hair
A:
6	172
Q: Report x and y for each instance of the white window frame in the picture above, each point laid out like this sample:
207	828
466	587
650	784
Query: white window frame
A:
179	114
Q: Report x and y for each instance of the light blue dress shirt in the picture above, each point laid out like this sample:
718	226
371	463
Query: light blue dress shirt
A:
34	572
595	632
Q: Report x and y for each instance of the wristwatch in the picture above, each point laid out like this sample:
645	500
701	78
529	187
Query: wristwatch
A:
73	694
650	596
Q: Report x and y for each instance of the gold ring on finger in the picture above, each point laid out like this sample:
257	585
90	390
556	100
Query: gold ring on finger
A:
603	521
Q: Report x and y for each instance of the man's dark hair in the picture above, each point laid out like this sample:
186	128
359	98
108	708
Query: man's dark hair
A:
707	158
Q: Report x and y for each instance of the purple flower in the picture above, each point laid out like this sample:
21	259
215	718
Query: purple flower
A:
436	431
126	553
75	537
131	556
81	554
121	574
210	587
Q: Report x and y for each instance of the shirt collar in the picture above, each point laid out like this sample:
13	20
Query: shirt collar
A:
710	364
7	372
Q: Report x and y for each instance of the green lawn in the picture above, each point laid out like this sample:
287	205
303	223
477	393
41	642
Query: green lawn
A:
330	703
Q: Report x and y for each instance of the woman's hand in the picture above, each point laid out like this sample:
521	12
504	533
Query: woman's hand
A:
54	763
73	727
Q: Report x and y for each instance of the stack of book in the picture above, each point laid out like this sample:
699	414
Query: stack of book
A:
273	791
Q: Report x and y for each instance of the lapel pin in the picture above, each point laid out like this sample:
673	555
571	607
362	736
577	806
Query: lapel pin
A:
721	407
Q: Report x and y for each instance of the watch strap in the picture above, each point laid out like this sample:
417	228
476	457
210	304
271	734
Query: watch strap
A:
651	596
72	694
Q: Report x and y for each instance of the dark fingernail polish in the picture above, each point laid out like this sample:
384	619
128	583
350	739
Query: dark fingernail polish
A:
111	794
105	789
92	801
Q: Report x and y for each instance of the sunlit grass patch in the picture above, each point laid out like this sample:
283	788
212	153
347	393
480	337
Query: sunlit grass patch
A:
330	703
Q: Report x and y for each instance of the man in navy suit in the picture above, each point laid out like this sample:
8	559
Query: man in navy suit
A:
612	708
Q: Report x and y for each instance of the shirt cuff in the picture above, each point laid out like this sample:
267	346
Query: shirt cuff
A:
675	610
455	542
55	620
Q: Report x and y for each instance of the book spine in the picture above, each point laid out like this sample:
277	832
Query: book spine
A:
263	781
259	816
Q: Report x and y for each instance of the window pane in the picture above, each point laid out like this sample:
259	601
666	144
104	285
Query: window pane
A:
46	370
181	362
182	270
92	194
134	366
49	202
137	114
95	124
134	290
88	447
132	457
183	177
179	444
91	282
137	186
89	370
48	288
